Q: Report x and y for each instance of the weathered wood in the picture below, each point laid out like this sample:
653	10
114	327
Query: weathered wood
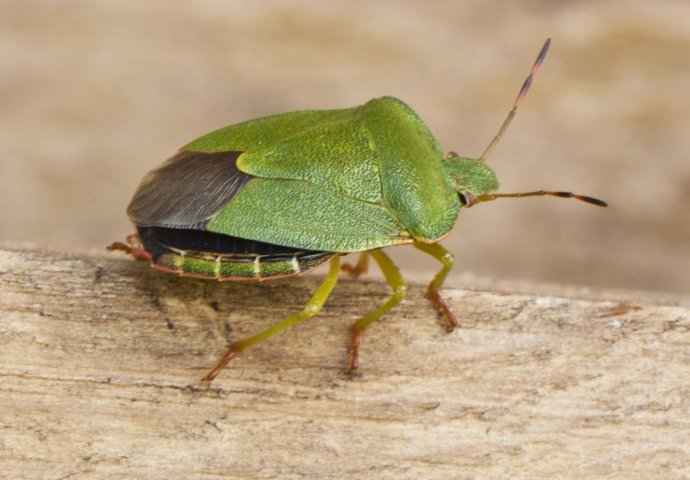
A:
101	360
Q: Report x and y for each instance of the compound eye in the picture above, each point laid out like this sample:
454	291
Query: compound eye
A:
467	199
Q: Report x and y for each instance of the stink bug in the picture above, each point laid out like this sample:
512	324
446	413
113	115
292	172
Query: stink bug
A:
280	195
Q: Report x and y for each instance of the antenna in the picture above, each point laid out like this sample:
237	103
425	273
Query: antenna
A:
487	197
521	95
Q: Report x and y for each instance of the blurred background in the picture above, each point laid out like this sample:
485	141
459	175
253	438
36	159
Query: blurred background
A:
94	94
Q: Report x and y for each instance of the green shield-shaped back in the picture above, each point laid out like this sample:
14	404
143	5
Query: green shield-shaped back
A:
372	172
334	180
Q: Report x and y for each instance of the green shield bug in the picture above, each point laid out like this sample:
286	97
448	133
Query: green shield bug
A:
280	195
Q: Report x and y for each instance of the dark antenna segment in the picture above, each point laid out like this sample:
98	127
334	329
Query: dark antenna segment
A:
521	95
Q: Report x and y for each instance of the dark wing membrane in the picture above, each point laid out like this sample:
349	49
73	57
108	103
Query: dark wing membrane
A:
187	190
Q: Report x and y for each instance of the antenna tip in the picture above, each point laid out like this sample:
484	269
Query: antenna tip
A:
594	201
542	55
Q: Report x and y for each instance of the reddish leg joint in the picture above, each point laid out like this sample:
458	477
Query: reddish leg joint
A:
227	358
354	351
360	268
355	271
132	247
440	304
121	247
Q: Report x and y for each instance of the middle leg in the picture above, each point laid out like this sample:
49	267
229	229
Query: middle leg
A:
397	283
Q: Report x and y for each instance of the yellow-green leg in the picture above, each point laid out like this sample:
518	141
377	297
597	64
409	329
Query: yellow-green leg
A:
361	267
446	258
395	280
312	307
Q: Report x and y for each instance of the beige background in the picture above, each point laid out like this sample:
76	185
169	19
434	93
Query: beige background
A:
95	93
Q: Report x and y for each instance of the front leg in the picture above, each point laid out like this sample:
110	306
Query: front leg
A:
437	251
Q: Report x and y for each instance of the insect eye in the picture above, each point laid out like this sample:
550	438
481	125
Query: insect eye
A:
467	199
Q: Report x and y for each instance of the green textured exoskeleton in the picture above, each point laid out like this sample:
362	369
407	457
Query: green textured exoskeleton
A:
281	195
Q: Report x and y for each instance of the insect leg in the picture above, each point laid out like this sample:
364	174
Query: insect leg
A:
395	280
132	247
360	268
312	307
446	258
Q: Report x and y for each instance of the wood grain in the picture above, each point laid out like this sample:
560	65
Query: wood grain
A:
101	360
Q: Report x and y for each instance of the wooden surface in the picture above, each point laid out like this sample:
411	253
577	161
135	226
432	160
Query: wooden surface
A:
100	361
